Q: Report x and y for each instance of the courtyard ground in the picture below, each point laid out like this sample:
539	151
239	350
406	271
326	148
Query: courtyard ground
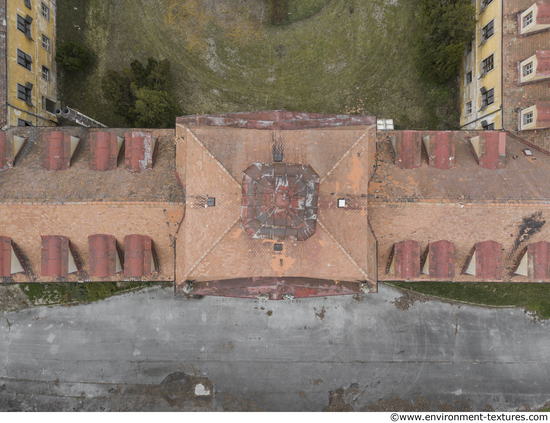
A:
332	56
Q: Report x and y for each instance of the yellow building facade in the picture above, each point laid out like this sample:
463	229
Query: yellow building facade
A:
481	71
31	81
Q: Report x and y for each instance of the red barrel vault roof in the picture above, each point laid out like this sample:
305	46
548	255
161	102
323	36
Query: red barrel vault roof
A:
102	253
103	151
5	256
138	250
55	256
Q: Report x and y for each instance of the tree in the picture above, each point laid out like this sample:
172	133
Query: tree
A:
446	28
140	94
74	57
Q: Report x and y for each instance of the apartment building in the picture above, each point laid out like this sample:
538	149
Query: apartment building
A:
28	86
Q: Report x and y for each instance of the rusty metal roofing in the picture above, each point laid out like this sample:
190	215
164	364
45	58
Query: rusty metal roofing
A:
139	151
55	256
279	201
538	255
441	149
102	255
275	288
103	151
407	259
138	250
407	149
488	260
5	256
442	259
276	120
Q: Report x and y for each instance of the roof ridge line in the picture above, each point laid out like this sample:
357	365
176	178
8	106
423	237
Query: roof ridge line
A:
346	154
222	167
201	258
348	255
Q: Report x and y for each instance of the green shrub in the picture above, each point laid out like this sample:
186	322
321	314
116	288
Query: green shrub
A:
141	94
74	57
278	11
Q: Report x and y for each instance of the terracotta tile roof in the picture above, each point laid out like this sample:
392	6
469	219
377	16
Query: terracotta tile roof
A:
488	260
139	150
103	255
279	201
5	256
138	254
275	120
103	151
213	245
523	179
55	256
538	255
515	49
28	181
406	259
441	256
543	114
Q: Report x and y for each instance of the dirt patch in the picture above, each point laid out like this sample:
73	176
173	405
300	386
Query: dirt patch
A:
303	394
396	403
179	388
269	313
321	314
408	299
12	299
343	398
316	382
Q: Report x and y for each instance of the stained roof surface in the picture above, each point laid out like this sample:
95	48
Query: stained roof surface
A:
212	245
280	201
28	181
522	179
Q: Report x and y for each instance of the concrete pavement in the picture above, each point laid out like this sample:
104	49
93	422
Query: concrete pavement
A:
153	351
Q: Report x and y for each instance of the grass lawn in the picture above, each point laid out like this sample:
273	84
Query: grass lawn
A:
67	293
332	56
534	297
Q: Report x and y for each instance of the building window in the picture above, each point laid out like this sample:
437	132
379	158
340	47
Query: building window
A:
211	202
487	97
24	60
468	107
528	118
487	126
487	65
45	43
487	31
485	3
24	25
469	77
528	69
45	12
278	247
48	105
21	122
28	4
45	73
24	92
528	20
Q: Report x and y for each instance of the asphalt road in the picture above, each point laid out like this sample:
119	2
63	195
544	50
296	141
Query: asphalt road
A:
154	351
